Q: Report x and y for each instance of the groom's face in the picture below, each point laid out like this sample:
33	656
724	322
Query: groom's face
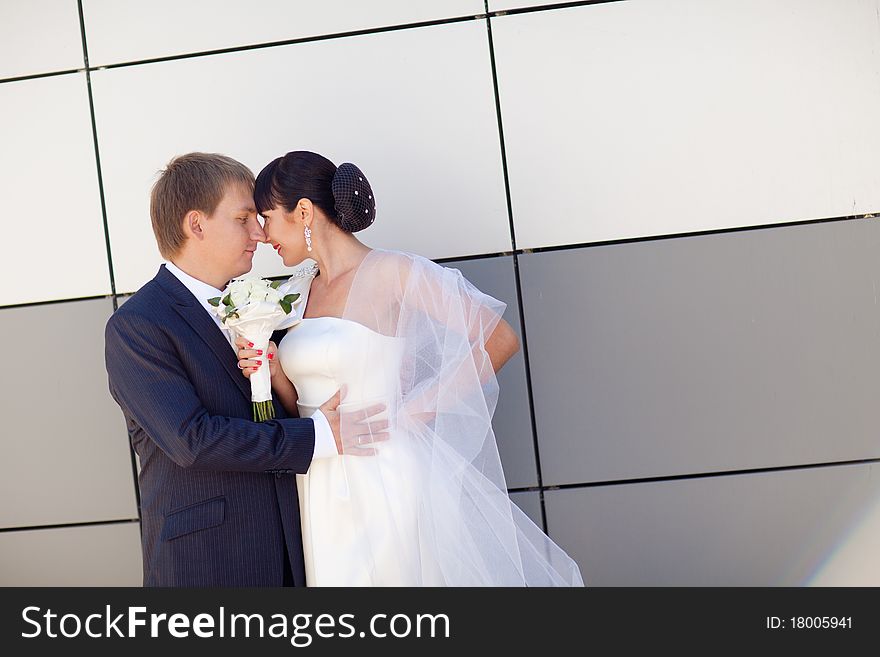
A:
233	232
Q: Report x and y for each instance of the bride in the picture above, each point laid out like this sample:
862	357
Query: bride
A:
429	507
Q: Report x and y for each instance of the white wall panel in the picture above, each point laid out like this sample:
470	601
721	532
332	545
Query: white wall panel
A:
644	118
39	36
815	526
131	30
501	5
96	555
416	113
53	230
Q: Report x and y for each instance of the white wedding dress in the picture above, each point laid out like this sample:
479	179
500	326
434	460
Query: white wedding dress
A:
431	507
359	513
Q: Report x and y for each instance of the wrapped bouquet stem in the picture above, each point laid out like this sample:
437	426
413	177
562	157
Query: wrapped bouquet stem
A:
253	308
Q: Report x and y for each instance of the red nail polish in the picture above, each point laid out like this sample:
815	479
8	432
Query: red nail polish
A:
259	352
271	356
250	344
259	362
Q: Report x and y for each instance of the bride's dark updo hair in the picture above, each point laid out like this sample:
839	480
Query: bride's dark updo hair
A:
343	193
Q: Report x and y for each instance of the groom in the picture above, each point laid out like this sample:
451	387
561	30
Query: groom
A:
218	493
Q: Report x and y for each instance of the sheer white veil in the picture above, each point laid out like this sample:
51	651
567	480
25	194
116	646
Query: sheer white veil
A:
444	395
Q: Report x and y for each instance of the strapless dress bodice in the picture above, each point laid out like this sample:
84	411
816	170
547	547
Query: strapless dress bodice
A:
321	353
359	514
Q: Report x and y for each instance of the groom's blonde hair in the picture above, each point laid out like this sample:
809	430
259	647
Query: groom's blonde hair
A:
195	181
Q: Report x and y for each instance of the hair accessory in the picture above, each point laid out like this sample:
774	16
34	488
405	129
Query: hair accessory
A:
353	198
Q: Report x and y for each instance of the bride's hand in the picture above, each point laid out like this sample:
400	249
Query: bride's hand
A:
250	360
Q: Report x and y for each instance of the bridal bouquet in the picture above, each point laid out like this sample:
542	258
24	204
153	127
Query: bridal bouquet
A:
252	308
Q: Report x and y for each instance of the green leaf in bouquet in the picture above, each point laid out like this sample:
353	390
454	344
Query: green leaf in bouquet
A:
215	301
227	301
275	284
290	298
285	306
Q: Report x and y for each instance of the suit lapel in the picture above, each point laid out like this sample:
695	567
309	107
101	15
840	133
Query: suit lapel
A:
192	312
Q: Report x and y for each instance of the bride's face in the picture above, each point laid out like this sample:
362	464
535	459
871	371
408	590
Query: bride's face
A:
285	232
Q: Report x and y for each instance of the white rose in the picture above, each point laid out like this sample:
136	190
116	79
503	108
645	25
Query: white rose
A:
273	296
239	295
258	289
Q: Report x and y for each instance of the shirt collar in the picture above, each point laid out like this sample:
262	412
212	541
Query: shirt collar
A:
200	290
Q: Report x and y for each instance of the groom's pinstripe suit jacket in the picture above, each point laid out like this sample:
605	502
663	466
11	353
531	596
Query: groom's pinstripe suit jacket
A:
218	495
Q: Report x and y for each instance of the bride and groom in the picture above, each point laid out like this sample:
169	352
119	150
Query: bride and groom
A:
381	466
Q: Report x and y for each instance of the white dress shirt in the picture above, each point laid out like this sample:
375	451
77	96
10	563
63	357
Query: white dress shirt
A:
325	443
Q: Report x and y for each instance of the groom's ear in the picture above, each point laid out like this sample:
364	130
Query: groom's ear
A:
193	224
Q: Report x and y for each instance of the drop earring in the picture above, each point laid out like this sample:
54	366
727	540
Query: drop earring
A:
308	233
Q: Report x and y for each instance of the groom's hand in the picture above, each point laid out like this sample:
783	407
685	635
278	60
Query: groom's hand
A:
354	431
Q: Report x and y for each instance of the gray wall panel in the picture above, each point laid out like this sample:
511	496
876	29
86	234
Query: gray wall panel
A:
512	421
97	555
530	503
717	352
786	528
64	455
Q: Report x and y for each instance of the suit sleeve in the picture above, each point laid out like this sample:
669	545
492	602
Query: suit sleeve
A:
148	381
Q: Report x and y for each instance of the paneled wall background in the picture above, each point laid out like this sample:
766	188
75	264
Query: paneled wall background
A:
675	198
